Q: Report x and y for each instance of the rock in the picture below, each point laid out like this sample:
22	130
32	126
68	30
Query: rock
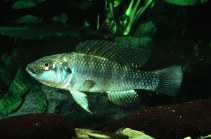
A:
88	133
54	97
170	121
36	126
104	111
34	102
133	134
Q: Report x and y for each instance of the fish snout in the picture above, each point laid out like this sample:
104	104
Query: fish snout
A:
30	69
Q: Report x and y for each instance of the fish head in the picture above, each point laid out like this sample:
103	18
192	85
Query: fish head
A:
50	70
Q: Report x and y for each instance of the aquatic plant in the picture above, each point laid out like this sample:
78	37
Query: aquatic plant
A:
13	97
21	4
124	23
186	2
35	20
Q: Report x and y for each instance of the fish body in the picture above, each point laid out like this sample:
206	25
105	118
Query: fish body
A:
96	74
100	66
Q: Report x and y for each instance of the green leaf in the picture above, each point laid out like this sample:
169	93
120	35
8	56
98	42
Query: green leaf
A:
29	19
10	64
143	42
147	29
185	2
37	31
21	4
13	97
62	18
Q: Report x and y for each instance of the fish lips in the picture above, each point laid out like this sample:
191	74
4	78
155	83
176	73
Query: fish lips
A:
31	70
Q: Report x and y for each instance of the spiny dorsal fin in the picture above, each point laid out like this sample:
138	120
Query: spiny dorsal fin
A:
125	55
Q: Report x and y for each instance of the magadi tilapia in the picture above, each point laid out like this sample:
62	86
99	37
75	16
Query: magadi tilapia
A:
102	66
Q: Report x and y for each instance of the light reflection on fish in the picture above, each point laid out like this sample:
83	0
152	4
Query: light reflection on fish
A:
101	66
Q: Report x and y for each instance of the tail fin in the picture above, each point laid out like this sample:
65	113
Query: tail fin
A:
170	80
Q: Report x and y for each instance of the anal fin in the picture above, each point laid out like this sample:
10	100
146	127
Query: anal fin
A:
81	99
122	98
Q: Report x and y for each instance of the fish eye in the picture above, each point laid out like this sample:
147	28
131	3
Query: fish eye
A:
47	65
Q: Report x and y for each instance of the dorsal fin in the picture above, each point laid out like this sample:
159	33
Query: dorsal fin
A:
125	55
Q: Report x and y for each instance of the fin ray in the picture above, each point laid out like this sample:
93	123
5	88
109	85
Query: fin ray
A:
87	85
122	98
81	99
170	80
125	55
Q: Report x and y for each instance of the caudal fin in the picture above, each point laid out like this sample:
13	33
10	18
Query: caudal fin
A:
170	80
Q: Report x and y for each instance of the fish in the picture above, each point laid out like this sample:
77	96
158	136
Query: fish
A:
103	66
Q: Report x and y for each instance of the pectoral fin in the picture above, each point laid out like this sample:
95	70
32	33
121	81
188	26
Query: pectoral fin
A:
123	98
81	99
87	85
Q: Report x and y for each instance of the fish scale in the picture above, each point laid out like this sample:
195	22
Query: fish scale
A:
119	77
101	66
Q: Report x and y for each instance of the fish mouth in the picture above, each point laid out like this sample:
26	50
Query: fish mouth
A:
30	70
